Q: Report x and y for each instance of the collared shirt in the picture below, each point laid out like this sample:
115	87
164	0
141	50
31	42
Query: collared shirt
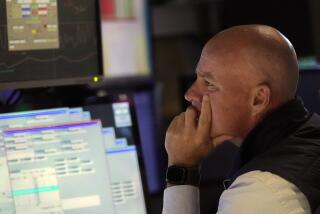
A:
255	192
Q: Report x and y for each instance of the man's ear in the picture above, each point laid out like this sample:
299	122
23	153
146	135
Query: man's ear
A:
260	99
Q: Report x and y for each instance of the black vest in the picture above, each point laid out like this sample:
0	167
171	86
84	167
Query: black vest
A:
286	143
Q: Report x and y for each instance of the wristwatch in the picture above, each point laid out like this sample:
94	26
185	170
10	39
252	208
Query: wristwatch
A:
178	175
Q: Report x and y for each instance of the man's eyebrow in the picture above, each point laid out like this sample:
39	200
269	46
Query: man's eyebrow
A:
205	74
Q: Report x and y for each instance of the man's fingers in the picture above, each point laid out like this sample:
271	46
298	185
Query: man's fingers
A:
177	122
191	118
204	124
182	118
180	121
173	124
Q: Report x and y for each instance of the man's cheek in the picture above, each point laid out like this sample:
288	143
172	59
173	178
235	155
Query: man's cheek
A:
212	120
216	118
212	131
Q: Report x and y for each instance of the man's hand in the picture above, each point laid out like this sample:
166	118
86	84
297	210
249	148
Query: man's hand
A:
188	140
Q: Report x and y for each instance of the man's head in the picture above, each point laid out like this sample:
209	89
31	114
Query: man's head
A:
247	71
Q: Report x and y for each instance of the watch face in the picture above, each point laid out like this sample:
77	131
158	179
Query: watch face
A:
176	175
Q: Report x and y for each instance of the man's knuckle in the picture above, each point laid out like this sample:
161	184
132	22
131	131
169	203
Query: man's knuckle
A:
189	110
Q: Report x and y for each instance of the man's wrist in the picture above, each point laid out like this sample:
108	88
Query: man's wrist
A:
192	165
181	175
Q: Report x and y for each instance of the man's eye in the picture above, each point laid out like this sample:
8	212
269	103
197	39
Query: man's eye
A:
207	83
210	86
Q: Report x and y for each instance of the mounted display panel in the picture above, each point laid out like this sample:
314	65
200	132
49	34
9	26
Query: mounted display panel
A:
125	40
49	42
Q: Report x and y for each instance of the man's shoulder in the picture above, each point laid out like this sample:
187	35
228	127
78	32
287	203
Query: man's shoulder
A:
263	178
310	129
263	190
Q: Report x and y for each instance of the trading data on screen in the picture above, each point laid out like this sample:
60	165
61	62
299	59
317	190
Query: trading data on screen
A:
49	40
66	160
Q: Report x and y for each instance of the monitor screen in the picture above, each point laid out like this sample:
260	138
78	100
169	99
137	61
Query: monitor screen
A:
125	41
71	160
49	42
153	152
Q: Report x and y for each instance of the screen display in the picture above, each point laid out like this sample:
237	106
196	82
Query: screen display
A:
70	160
124	38
49	40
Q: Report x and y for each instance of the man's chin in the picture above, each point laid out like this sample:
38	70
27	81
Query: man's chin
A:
213	134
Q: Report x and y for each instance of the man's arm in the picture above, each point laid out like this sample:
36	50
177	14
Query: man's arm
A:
187	143
253	192
263	193
181	199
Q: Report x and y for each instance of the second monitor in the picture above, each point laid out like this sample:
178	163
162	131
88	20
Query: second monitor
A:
49	42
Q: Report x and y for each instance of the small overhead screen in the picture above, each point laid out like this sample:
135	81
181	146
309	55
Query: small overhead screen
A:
49	42
125	40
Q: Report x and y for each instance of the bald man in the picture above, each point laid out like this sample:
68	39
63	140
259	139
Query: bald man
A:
245	93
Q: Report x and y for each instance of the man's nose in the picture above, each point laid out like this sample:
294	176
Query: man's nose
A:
193	94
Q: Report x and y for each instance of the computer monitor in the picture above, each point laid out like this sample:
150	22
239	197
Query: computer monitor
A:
147	112
72	160
49	42
125	39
